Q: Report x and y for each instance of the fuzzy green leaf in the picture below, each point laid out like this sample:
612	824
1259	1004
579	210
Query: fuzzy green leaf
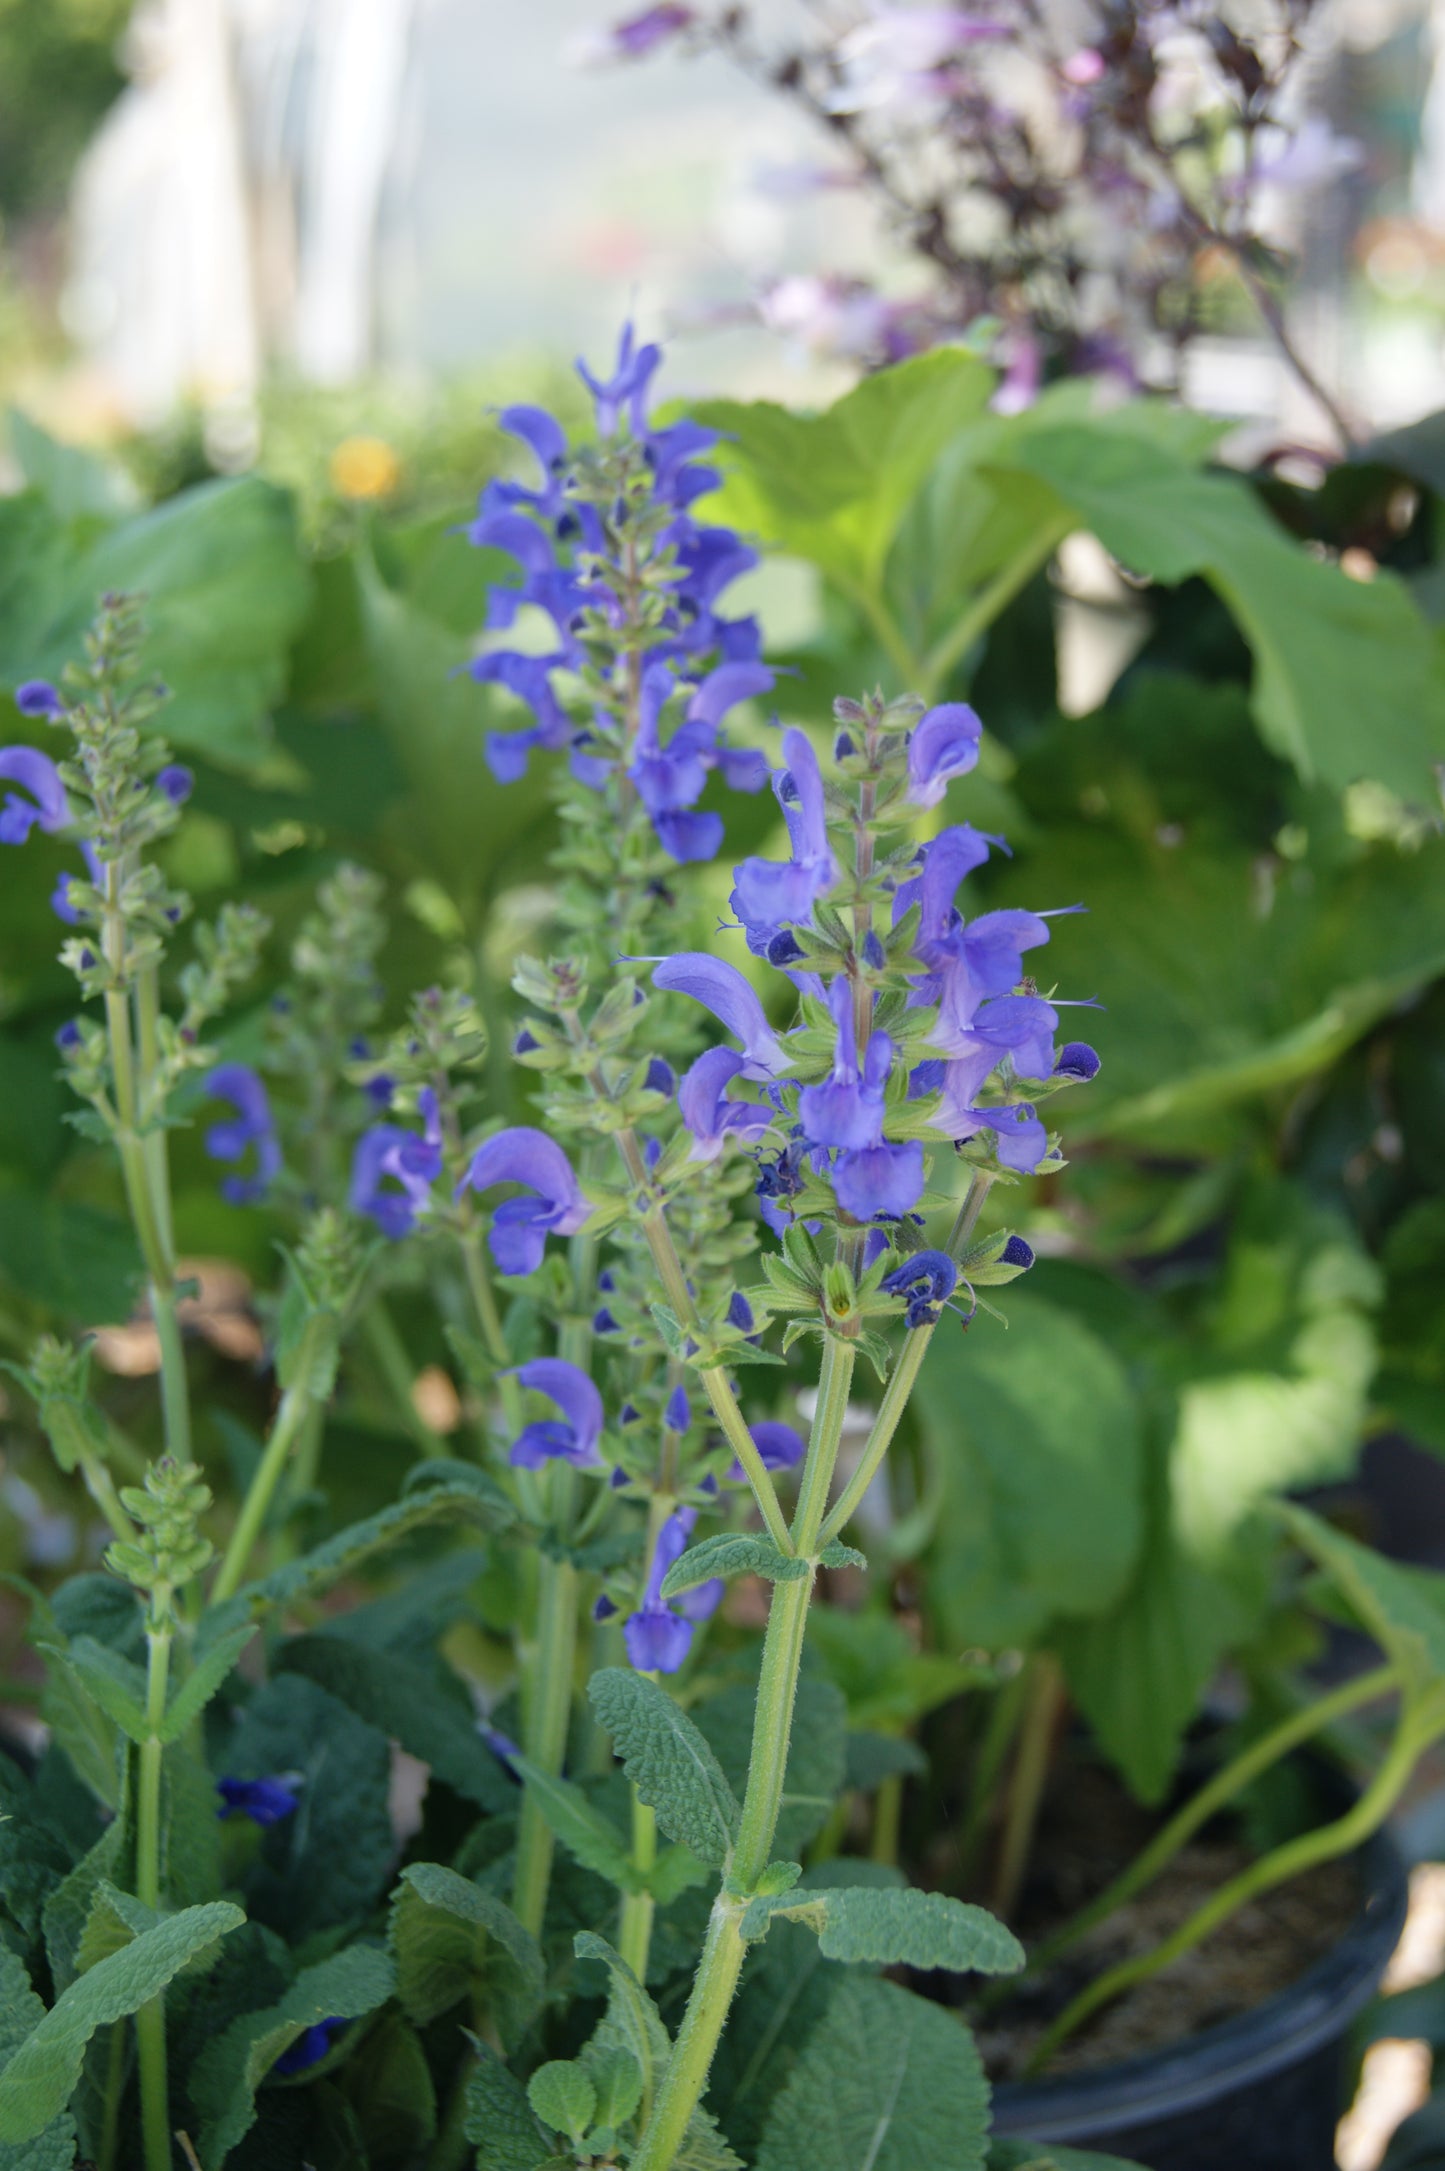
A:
108	1679
837	1555
453	1941
499	2117
116	1919
21	2011
1403	1608
201	1684
584	1831
564	2096
888	1928
886	2082
423	1708
228	2073
731	1554
631	2024
668	1761
392	2093
36	2085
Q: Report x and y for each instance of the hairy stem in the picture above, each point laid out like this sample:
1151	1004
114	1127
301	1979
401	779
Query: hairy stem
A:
1324	1844
988	605
297	1405
546	1718
634	1935
1044	1698
150	2021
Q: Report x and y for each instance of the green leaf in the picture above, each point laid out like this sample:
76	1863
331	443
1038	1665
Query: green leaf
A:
71	1258
204	1679
631	2026
67	1909
833	488
886	2082
1402	1608
564	2096
392	2093
108	1679
53	2148
225	591
1328	650
226	2076
329	1863
888	1928
116	1919
1037	1434
589	1836
423	1707
668	1761
36	2084
499	2118
730	1555
453	1941
837	1555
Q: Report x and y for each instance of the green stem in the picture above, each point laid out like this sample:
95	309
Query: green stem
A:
388	1351
175	1388
101	1486
887	1820
989	605
296	1406
723	1952
902	1378
634	1935
546	1720
484	1301
998	1738
1043	1700
1324	1844
150	2021
1229	1781
114	2089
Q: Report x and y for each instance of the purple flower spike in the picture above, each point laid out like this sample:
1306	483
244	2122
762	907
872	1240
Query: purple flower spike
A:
1077	1060
37	697
1017	1253
708	1114
659	1636
386	1154
944	745
626	388
520	1226
725	687
780	1446
264	1801
177	782
250	1129
847	1109
571	1438
721	988
772	893
880	1180
47	805
678	1414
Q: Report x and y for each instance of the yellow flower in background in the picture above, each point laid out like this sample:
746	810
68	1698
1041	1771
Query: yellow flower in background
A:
364	467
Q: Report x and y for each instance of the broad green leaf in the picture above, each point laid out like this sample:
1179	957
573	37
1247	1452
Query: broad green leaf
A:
730	1555
589	1836
1037	1434
886	2082
73	481
36	2084
452	1941
816	1753
668	1761
227	2074
1402	1608
392	2093
499	2117
422	1707
116	1919
67	1908
329	1863
34	1856
201	1684
631	2032
887	1927
1329	651
564	2096
53	2147
70	1258
225	591
833	488
110	1680
1006	2155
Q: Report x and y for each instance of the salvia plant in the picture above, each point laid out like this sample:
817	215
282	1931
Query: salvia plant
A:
770	1150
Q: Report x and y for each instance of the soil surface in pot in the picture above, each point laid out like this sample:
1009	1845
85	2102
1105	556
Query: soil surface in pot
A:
1088	1833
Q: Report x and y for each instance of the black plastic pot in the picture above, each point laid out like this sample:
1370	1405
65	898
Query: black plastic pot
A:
1260	2093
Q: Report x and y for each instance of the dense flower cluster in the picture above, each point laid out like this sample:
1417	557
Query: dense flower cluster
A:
630	584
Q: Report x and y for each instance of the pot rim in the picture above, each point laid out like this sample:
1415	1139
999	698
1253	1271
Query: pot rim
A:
1283	2031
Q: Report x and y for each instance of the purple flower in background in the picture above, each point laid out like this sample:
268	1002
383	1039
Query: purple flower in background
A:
721	988
633	37
555	1204
250	1130
944	745
678	1414
388	1156
176	782
61	903
573	1436
625	391
925	1282
769	894
310	2047
37	697
659	1635
706	1111
780	1446
264	1801
1077	1060
46	806
529	677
